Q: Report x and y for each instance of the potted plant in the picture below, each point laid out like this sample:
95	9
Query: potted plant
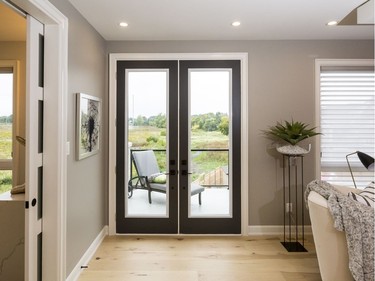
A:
291	133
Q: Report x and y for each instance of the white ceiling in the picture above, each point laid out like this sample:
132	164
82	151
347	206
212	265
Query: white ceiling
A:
211	19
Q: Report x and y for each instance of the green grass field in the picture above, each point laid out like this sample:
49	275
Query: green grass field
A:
5	153
142	137
5	181
5	141
147	137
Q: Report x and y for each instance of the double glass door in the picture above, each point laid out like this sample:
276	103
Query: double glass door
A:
178	147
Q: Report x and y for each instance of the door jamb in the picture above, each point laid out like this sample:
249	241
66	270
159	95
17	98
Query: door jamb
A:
55	142
113	58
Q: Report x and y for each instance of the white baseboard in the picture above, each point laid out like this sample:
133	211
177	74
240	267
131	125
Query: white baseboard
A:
73	276
275	230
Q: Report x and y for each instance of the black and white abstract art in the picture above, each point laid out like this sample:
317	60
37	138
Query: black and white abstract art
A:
88	125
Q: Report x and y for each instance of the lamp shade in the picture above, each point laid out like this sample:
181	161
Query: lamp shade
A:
366	160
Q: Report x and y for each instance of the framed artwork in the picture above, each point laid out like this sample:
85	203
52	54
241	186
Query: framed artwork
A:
88	125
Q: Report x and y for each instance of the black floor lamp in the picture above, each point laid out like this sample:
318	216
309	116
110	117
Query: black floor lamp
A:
365	159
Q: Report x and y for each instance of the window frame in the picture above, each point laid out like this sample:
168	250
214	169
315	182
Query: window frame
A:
319	63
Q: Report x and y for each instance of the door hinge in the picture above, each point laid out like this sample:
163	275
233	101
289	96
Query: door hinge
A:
26	204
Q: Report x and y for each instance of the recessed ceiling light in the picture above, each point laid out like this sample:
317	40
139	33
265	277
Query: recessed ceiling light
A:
236	23
123	24
331	23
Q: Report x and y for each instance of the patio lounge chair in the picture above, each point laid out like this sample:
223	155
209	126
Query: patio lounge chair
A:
150	178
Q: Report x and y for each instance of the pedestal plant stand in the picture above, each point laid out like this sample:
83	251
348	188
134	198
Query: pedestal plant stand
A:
292	133
293	178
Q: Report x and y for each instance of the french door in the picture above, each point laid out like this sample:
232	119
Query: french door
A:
178	147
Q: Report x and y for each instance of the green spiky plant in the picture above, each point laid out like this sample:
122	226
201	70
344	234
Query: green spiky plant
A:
291	132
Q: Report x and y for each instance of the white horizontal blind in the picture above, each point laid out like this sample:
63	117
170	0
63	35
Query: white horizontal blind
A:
347	122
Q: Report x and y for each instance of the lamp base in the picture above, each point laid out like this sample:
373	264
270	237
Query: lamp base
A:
293	247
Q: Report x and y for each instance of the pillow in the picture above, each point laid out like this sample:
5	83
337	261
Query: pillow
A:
158	178
367	196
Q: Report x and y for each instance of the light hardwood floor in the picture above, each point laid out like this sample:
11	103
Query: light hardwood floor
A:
144	258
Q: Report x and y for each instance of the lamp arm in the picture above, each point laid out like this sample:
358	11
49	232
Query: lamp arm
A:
350	168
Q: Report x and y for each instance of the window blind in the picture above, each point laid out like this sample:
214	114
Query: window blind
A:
347	122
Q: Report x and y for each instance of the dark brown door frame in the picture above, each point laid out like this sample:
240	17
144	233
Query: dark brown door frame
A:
170	224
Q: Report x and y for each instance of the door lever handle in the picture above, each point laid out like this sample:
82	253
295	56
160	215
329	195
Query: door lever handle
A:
185	173
171	173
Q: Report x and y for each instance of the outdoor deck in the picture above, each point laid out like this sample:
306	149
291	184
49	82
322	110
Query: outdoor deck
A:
215	201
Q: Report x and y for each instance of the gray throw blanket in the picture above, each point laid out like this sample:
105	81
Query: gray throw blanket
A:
357	221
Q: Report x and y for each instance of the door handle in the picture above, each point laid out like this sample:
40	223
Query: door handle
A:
33	203
185	173
171	173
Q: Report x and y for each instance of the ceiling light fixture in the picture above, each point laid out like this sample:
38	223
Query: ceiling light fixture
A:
236	23
332	23
123	24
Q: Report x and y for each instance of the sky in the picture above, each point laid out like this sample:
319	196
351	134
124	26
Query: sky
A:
147	92
6	94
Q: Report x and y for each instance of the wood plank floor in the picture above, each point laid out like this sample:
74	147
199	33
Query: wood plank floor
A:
144	258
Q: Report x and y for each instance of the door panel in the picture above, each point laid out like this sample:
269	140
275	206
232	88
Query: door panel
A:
147	103
209	149
34	150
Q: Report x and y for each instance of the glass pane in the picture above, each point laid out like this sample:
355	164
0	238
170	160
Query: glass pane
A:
210	142
39	256
6	115
147	143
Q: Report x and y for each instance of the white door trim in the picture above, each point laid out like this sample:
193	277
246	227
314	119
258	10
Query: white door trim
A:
55	148
113	58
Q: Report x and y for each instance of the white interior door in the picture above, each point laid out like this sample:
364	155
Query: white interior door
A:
34	150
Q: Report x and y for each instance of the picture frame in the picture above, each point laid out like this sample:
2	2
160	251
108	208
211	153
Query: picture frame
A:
88	125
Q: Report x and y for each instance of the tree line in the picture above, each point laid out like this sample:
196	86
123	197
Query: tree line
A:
206	122
6	119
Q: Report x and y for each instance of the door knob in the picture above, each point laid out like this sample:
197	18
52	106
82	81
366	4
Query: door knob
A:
171	173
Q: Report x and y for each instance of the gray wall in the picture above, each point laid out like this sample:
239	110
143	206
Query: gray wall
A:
281	86
87	179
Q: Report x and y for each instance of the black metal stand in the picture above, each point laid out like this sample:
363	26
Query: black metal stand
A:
292	161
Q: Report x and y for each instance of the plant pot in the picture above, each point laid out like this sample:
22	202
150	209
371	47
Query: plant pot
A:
292	149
